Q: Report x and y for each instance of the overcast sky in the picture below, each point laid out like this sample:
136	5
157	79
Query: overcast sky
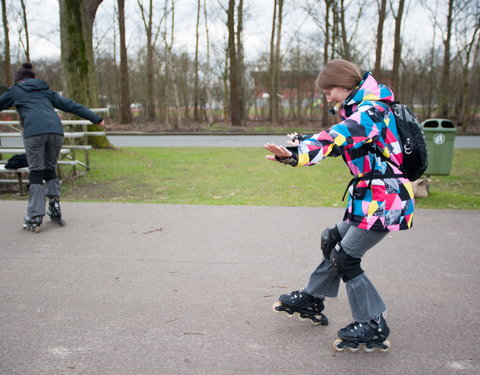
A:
45	40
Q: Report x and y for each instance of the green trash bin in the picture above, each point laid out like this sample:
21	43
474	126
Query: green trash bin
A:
440	137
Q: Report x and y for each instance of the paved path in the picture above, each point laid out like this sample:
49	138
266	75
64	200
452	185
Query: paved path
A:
215	141
166	289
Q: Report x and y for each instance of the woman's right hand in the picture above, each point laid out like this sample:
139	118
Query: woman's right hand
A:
278	151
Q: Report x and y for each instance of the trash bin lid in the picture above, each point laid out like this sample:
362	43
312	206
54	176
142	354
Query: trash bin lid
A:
436	124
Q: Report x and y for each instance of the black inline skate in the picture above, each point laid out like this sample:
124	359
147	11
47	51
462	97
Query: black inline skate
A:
371	335
303	306
32	224
55	212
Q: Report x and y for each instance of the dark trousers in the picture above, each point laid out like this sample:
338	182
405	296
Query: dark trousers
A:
42	155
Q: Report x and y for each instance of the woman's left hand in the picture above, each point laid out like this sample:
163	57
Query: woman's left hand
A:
279	151
293	136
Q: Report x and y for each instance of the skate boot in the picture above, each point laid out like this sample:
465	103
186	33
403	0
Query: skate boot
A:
303	306
371	335
32	224
55	212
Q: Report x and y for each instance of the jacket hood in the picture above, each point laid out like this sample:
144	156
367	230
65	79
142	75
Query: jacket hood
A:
32	84
369	89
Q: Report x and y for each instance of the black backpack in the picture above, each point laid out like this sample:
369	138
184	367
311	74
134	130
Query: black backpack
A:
17	161
412	142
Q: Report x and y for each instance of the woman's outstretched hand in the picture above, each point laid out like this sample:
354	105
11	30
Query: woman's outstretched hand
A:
279	151
293	142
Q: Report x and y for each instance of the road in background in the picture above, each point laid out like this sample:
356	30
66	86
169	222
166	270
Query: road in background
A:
461	141
230	140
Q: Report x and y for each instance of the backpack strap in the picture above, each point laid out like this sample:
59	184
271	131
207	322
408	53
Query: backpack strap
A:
373	147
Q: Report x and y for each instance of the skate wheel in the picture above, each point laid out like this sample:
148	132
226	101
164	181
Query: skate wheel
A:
388	346
381	347
336	345
275	307
299	317
340	345
318	320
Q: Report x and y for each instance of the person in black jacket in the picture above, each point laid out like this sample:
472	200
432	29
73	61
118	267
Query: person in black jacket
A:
35	103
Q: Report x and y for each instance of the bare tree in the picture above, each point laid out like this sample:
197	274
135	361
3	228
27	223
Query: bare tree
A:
125	113
207	65
6	64
468	40
378	51
273	72
196	90
397	48
275	61
444	89
235	103
322	20
152	37
169	72
240	61
25	27
76	24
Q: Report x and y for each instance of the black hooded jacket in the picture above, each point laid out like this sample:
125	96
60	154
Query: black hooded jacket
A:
35	103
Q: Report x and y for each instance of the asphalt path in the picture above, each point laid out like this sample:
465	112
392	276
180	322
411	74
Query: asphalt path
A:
215	141
171	289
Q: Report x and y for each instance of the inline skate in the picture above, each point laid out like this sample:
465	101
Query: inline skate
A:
32	224
55	212
303	306
371	335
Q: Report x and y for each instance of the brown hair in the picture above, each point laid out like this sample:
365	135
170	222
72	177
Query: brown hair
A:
339	73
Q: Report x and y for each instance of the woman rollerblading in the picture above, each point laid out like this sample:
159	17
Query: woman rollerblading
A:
380	198
371	335
43	139
303	306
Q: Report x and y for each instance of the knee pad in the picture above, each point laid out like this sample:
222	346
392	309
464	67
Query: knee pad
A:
36	177
346	266
50	174
329	238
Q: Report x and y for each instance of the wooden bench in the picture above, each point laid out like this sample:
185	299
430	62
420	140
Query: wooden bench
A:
71	135
72	156
68	150
20	171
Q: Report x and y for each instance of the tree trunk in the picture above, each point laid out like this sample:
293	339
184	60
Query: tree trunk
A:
325	119
76	23
240	63
207	72
346	52
196	90
397	49
272	71
226	93
125	113
444	87
25	25
378	51
232	52
278	62
6	64
464	117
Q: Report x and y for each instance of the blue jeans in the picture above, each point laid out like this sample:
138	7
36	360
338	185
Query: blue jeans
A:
365	302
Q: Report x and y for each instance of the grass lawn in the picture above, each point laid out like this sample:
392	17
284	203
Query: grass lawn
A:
241	176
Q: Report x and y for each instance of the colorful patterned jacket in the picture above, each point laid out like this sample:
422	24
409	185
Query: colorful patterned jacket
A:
384	202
